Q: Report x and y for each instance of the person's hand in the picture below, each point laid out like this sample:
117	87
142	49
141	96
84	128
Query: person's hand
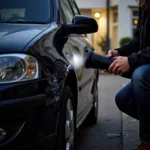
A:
120	66
112	53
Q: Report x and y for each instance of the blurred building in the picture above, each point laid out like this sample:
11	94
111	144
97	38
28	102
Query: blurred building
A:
123	19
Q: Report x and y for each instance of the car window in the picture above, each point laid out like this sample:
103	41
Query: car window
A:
67	11
74	7
25	11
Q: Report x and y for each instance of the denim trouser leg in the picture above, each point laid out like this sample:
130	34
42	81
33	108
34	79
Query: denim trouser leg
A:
141	88
126	102
134	100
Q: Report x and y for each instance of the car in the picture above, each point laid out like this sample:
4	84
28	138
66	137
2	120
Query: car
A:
46	92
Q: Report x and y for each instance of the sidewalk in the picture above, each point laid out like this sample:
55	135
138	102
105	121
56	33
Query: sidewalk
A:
114	130
130	131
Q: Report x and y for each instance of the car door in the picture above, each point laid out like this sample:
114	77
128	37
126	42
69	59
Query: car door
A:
74	50
89	73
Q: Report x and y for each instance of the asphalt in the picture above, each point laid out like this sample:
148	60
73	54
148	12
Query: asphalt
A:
114	130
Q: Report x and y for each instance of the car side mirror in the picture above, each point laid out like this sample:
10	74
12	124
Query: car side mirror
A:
82	25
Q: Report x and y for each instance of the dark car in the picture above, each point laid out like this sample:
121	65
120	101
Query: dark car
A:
45	91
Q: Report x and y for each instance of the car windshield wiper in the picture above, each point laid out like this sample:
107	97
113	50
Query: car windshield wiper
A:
25	22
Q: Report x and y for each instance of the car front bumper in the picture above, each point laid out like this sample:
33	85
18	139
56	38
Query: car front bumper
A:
28	114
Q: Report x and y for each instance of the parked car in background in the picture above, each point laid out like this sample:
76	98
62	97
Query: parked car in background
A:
45	91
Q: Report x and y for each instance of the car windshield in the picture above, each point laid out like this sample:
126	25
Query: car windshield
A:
25	11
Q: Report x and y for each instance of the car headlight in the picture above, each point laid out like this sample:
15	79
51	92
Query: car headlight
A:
18	67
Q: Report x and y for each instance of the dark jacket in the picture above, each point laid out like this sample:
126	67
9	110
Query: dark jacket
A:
138	50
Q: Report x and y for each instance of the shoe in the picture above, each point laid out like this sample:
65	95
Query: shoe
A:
143	147
97	61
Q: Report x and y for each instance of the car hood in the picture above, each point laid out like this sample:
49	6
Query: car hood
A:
14	37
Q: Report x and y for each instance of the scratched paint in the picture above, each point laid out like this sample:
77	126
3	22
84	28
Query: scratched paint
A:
57	81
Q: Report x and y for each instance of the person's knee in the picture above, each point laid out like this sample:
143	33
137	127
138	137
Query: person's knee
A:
139	74
119	101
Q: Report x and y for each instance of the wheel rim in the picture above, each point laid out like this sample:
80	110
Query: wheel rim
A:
69	127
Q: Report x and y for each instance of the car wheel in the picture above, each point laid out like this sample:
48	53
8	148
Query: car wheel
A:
67	120
93	115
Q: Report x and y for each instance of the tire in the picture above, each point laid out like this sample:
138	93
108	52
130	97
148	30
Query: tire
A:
67	121
93	115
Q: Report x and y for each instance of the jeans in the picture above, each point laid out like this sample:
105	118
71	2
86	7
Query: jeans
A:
134	100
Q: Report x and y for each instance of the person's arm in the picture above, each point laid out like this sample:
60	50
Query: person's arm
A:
134	45
140	58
